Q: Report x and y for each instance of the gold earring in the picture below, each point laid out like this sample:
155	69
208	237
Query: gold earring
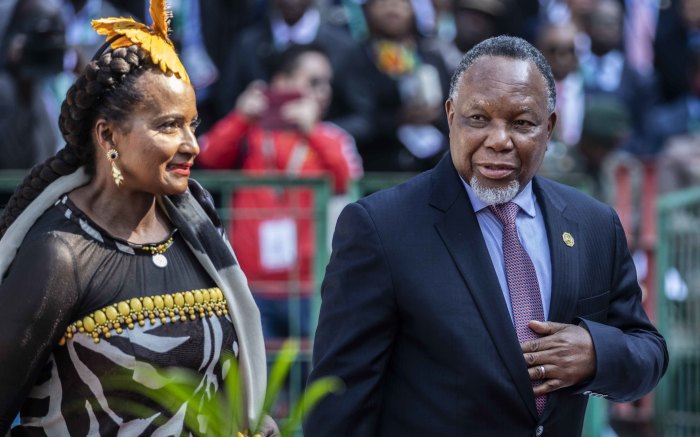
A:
112	155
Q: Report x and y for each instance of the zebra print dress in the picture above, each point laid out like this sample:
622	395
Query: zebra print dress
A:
106	312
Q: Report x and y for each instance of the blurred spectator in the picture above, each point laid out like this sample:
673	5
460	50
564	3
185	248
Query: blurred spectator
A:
277	129
679	164
606	128
682	115
225	19
580	12
31	55
678	32
6	8
81	40
607	72
476	20
678	129
408	84
297	22
641	18
558	44
573	12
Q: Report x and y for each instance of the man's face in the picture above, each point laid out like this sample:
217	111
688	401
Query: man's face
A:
558	45
605	27
499	123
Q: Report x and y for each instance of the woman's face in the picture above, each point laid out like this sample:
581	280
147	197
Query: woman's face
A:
157	144
390	18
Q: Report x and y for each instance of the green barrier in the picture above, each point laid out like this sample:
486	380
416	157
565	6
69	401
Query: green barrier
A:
222	185
375	181
678	282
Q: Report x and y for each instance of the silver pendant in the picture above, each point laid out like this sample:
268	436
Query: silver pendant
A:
160	260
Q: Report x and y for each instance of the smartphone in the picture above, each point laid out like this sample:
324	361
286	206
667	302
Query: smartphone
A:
272	119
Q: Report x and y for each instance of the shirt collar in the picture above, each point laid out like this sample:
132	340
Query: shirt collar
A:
525	199
302	32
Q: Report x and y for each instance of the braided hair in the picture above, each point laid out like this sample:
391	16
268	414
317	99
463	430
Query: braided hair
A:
106	89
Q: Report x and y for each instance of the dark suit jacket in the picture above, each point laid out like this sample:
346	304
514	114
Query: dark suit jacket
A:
413	320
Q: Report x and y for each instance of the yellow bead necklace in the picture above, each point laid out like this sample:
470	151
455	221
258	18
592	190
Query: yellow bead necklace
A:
157	251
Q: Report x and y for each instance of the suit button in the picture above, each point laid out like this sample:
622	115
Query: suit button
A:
539	431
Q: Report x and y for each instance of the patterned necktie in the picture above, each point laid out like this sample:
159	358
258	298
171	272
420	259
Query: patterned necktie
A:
525	297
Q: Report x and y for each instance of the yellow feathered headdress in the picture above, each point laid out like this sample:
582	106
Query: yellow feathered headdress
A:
123	32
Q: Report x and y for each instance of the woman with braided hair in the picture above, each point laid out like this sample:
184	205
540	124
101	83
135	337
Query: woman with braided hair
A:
113	263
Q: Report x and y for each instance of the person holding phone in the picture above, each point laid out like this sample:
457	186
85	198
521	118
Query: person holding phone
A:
277	128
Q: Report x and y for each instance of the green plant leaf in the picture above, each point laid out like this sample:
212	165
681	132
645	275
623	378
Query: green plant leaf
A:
224	410
280	370
308	400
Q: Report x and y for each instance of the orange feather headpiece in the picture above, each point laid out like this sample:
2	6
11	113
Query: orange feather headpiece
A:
123	32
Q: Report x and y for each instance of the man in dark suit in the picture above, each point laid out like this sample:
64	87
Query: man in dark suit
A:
477	299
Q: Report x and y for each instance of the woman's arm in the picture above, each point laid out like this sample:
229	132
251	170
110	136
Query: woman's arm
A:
38	297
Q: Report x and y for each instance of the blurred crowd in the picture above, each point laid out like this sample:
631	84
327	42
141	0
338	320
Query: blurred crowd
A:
627	72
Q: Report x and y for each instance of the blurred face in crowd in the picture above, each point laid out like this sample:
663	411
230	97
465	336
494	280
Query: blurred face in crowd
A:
582	8
390	18
156	144
690	13
557	44
312	77
605	27
37	46
472	27
292	10
499	126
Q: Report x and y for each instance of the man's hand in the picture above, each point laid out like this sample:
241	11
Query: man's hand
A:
562	357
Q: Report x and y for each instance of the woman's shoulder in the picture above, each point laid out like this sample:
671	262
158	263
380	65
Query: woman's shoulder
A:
52	234
51	227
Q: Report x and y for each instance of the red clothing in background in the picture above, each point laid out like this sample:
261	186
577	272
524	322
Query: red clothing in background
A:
263	216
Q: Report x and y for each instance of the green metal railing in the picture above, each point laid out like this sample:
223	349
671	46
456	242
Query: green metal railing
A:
678	279
224	184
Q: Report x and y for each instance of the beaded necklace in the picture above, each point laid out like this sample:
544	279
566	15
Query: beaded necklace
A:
74	214
157	252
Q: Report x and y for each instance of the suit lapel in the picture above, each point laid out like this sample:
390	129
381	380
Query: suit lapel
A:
564	261
460	232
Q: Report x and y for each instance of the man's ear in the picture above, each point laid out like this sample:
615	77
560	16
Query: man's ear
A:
450	111
103	135
550	124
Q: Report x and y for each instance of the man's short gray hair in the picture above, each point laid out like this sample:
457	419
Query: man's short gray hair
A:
507	47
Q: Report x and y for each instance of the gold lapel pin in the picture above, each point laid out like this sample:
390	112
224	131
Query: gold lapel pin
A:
568	239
